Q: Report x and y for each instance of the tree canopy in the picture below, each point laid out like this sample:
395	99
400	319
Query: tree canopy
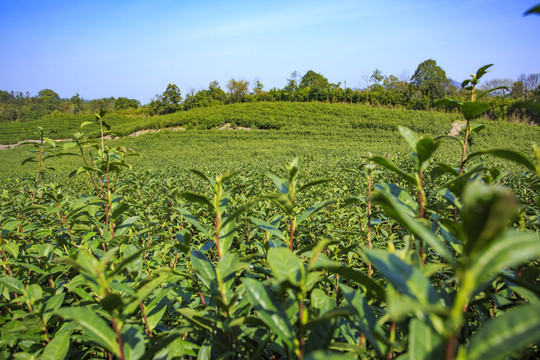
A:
430	79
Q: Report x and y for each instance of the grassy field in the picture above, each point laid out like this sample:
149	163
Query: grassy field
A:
335	134
303	253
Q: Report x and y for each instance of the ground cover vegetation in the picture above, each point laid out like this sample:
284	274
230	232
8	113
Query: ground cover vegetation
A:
511	102
430	252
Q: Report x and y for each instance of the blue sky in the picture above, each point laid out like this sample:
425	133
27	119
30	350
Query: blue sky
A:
134	48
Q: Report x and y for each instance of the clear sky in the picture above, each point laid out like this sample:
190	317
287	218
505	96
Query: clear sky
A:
103	48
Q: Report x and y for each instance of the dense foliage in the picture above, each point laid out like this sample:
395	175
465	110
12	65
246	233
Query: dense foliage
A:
417	255
419	92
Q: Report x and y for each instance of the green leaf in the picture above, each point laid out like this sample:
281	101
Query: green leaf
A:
34	293
68	145
533	10
282	200
352	274
282	185
86	123
12	248
104	123
229	265
240	210
404	278
11	225
364	317
93	326
50	141
203	176
510	249
506	334
196	198
471	110
133	341
163	342
58	348
482	71
204	268
184	241
286	266
457	184
512	155
401	196
388	165
425	148
28	159
325	354
448	103
156	309
13	284
486	213
193	221
410	136
313	209
269	228
146	290
314	183
322	302
51	305
126	225
112	302
226	236
269	310
400	213
477	127
483	93
424	342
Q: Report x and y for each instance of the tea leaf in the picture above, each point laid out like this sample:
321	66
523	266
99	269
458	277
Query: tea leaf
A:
506	334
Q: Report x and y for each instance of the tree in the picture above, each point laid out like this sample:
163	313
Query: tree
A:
49	99
313	79
430	79
237	89
6	97
377	76
216	92
317	85
171	99
123	103
258	88
518	90
292	82
77	103
530	82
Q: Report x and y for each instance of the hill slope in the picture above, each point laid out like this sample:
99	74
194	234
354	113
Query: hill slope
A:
336	133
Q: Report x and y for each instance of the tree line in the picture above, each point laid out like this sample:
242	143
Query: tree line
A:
420	92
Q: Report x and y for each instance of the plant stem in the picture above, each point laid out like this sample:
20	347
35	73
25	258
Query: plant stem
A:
451	347
148	331
464	153
291	234
218	225
301	339
370	270
118	338
39	165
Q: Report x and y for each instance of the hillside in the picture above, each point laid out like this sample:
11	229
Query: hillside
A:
271	133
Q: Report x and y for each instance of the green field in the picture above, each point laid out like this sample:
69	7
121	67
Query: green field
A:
339	234
335	134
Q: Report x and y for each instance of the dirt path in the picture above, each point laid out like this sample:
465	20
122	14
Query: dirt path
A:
226	126
136	133
456	127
